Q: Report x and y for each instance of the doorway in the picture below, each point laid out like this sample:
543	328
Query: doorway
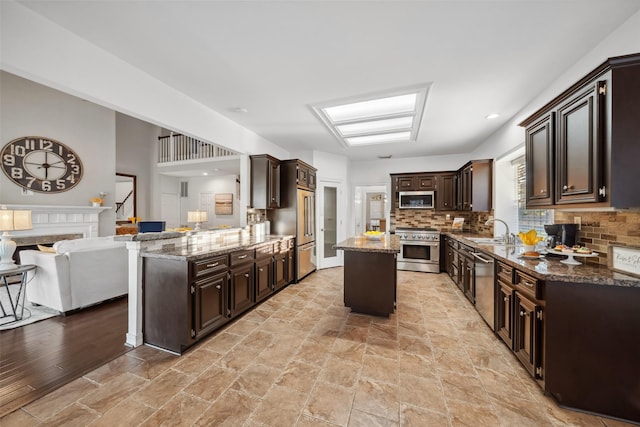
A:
370	209
330	219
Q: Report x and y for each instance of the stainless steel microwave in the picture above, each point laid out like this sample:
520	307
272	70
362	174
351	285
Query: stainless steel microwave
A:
416	199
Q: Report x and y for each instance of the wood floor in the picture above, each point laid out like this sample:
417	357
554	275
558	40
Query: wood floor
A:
38	358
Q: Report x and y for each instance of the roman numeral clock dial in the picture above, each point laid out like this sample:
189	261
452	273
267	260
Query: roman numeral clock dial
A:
41	164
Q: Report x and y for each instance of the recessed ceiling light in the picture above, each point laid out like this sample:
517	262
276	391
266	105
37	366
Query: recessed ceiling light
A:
205	173
375	119
492	116
238	110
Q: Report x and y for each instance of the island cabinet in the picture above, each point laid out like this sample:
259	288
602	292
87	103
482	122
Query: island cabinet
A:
242	281
452	260
520	317
183	301
264	272
282	264
581	148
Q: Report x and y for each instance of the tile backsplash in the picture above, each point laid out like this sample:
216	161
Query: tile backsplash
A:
420	218
601	229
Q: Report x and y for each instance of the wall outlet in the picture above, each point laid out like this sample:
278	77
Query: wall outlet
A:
26	192
448	216
578	220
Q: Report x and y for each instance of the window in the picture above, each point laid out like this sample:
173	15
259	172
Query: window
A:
528	218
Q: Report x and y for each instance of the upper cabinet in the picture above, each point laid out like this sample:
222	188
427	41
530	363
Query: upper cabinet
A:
446	195
476	178
302	173
581	148
413	182
265	182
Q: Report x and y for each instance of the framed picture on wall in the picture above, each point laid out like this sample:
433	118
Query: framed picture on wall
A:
224	204
624	259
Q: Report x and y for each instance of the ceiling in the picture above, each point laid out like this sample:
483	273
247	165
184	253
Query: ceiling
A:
276	58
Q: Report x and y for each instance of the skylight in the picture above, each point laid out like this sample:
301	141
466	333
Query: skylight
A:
388	118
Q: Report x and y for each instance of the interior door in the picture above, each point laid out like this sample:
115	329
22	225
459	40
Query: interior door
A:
330	222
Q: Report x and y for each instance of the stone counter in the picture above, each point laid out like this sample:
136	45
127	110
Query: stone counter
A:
387	244
224	245
550	268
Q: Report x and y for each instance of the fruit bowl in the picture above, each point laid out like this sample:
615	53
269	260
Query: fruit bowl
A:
374	235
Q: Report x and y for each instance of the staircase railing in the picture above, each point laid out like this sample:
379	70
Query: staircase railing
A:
178	147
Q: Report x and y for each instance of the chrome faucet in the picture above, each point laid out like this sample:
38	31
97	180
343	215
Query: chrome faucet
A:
509	238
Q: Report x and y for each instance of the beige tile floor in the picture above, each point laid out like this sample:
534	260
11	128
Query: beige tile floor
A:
302	359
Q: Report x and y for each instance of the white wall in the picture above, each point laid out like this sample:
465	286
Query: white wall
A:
38	49
215	185
88	129
135	140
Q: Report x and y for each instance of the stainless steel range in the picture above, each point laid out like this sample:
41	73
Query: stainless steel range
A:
420	249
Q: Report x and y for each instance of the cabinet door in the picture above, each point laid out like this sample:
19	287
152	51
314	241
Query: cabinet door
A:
311	179
406	183
579	159
274	185
446	193
504	318
525	344
468	279
209	303
426	182
280	270
264	278
466	188
241	295
303	176
539	140
290	266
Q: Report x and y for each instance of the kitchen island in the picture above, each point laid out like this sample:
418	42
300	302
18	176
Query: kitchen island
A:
370	274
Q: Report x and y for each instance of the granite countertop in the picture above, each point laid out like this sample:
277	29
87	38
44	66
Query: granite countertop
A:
200	251
550	268
387	244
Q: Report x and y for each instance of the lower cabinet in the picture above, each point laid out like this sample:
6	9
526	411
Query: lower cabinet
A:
210	303
186	300
520	316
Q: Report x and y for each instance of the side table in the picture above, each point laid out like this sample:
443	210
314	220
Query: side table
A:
4	274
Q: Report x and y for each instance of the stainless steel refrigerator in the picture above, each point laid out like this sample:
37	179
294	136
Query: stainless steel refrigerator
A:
296	216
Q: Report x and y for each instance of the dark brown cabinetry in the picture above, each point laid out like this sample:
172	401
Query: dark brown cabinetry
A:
476	187
303	174
209	291
519	315
265	182
452	260
264	271
467	279
446	195
592	130
241	284
539	141
416	182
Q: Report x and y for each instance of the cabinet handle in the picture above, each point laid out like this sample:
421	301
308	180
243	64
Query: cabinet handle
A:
212	265
246	274
506	299
243	256
218	287
602	191
261	270
542	191
284	259
522	314
568	187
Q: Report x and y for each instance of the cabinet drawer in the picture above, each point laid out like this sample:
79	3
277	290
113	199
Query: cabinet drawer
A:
240	257
263	251
528	285
504	273
209	266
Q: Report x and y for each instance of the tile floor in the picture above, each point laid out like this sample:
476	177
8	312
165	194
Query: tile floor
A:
302	359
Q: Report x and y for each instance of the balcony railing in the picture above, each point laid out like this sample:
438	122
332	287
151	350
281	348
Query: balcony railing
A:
177	147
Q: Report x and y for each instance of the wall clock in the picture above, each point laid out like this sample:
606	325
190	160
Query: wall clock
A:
41	164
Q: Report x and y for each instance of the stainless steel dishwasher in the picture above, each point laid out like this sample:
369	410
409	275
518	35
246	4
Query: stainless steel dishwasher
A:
485	290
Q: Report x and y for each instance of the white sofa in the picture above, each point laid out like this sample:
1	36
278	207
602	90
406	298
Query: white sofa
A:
80	273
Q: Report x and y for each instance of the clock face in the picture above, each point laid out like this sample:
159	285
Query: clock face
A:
41	164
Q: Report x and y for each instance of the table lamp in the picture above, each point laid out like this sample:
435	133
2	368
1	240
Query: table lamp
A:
11	220
197	217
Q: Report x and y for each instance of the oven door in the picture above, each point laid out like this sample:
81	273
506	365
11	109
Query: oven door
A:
419	256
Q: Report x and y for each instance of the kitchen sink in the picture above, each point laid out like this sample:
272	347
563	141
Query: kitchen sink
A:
487	240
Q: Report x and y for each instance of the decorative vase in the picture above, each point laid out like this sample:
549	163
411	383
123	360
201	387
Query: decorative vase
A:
529	248
95	204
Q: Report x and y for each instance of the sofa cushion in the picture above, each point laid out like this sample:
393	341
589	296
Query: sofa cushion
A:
64	246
